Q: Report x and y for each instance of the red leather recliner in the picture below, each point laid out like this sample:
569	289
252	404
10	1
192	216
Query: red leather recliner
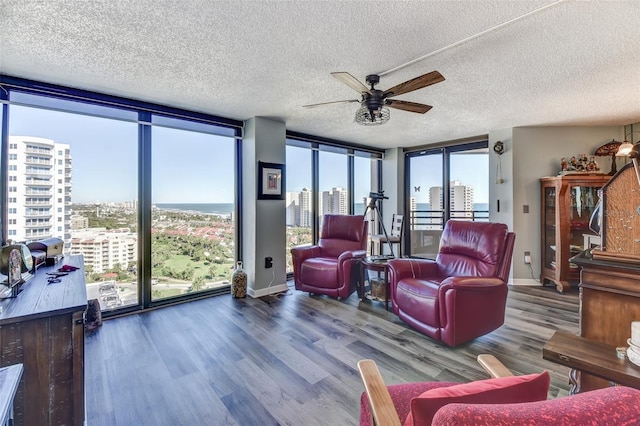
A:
461	294
332	267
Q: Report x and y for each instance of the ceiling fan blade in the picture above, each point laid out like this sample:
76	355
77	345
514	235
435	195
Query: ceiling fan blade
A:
425	80
351	81
329	103
408	106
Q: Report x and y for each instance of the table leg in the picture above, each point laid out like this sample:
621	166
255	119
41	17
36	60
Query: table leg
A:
361	288
386	289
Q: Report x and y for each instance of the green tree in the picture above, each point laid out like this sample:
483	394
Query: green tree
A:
198	283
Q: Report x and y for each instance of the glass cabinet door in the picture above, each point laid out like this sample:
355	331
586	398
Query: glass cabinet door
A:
549	228
583	202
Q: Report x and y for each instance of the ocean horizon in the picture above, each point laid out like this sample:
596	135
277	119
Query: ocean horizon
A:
208	208
228	208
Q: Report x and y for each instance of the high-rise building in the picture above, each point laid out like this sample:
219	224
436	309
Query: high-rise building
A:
39	190
304	208
334	201
292	209
460	198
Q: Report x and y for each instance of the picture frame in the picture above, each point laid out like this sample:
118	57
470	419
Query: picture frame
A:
271	181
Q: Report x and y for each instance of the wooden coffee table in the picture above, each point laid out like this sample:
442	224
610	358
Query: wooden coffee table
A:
592	357
373	264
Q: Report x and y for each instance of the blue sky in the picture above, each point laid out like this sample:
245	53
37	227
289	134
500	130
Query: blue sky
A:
191	167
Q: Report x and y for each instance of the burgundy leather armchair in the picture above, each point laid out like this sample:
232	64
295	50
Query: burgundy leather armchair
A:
332	267
461	294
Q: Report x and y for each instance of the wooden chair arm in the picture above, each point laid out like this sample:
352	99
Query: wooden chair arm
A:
383	412
493	366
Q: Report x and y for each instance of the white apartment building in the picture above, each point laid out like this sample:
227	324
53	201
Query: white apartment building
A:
334	201
304	208
39	190
292	209
105	249
298	208
79	222
461	200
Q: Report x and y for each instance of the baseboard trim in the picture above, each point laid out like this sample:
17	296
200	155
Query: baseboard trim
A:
525	281
280	288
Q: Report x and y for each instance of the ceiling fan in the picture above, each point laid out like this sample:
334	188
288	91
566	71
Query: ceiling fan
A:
373	102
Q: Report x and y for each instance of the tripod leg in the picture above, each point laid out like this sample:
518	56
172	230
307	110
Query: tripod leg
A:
384	231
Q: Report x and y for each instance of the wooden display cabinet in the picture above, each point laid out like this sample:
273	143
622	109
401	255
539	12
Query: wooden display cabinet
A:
567	204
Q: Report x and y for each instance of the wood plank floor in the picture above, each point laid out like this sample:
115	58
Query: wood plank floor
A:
291	359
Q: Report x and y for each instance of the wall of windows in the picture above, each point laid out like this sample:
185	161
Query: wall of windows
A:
444	183
145	193
325	177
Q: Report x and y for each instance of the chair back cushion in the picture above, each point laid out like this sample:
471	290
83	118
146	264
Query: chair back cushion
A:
342	233
471	248
503	390
616	405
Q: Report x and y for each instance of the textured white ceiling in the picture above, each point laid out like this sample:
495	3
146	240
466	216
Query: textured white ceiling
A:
572	63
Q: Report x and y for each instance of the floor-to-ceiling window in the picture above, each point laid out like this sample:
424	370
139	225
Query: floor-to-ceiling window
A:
364	176
299	199
342	177
74	177
193	235
333	196
442	184
146	194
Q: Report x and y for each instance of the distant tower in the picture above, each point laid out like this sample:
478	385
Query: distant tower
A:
39	190
304	208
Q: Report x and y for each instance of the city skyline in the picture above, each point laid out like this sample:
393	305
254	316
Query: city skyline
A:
114	143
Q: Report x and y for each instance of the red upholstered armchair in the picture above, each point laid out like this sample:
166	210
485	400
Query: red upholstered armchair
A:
506	400
332	266
461	294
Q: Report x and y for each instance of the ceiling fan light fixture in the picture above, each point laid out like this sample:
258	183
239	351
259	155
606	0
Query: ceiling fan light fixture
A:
376	117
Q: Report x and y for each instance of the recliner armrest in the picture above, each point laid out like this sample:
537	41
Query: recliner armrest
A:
351	254
302	253
472	283
412	268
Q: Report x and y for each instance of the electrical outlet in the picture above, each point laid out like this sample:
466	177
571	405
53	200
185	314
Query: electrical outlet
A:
268	262
527	258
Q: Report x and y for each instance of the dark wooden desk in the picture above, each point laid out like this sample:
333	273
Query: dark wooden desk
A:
592	357
43	329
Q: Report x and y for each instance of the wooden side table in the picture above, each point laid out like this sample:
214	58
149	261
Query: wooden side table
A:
592	357
370	263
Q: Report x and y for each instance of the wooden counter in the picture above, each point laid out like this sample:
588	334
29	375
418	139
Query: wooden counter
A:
589	356
43	329
609	302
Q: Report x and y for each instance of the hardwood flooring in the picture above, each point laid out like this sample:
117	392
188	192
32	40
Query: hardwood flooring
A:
291	359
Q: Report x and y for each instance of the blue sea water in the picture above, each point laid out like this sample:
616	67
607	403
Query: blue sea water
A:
211	208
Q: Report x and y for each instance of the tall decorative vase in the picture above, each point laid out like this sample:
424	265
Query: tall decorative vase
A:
239	281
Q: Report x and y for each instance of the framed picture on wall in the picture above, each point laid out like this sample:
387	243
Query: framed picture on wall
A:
270	181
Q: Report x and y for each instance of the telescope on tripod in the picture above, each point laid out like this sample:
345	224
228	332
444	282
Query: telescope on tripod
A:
375	196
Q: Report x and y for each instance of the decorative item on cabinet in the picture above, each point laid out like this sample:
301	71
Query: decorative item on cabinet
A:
609	149
567	205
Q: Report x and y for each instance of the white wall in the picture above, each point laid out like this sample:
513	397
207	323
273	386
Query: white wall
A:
393	185
536	153
264	232
501	193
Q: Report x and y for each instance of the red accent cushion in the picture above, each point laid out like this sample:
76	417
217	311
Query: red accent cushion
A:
503	390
